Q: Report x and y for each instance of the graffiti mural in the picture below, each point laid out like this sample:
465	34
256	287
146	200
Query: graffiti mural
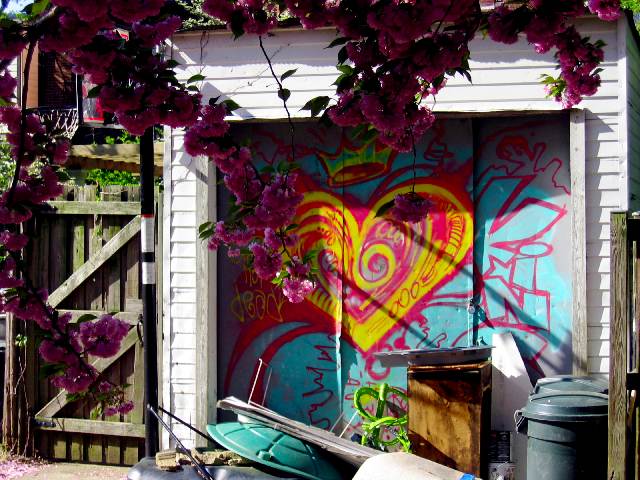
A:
386	286
523	238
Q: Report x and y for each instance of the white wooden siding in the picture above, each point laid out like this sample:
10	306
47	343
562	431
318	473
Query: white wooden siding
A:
505	78
178	392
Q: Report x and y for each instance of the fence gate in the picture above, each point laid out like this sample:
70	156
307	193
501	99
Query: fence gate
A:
86	250
624	367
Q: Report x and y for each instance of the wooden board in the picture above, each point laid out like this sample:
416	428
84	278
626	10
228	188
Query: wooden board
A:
449	415
620	297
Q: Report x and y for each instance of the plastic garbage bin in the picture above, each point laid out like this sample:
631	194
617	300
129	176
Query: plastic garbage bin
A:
563	383
566	435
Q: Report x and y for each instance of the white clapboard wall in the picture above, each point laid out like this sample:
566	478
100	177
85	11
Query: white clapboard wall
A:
505	78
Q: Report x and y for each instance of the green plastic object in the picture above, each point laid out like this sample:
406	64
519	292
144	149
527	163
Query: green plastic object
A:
563	383
567	435
274	449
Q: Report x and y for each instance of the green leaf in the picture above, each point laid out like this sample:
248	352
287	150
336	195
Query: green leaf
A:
50	369
214	100
368	136
96	412
284	94
87	317
204	226
94	92
343	55
193	88
346	69
236	23
385	208
288	73
73	397
196	78
337	41
21	340
316	105
310	255
39	7
231	105
171	63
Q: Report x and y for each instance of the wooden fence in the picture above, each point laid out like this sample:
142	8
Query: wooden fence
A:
86	251
624	367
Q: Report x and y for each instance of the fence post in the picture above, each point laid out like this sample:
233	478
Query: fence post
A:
618	361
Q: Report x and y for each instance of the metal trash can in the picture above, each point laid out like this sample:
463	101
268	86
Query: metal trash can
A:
567	435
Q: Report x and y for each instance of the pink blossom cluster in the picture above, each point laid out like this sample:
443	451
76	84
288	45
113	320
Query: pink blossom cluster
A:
79	21
297	284
400	52
68	345
135	83
607	10
267	201
8	86
29	142
244	16
410	207
12	43
547	24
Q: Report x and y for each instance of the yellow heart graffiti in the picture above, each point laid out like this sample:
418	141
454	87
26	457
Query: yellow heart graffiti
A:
374	271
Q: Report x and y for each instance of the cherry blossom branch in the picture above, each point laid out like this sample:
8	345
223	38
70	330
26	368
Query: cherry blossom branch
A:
284	95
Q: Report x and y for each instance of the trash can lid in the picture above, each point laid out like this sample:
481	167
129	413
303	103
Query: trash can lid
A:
572	383
567	406
268	446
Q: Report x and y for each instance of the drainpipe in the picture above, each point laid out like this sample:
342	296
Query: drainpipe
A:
149	317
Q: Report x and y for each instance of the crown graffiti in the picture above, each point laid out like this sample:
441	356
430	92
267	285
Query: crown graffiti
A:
356	161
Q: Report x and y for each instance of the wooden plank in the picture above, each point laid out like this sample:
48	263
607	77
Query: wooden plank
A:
131	318
95	452
113	272
119	154
45	389
57	253
60	446
132	262
78	254
164	235
59	207
92	445
577	162
205	329
159	287
101	364
76	448
135	371
131	450
95	262
95	427
635	452
620	294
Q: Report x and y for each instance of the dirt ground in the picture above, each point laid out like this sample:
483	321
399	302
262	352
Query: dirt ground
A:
10	470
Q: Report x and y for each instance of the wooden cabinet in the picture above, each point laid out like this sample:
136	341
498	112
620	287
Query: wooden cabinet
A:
450	414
